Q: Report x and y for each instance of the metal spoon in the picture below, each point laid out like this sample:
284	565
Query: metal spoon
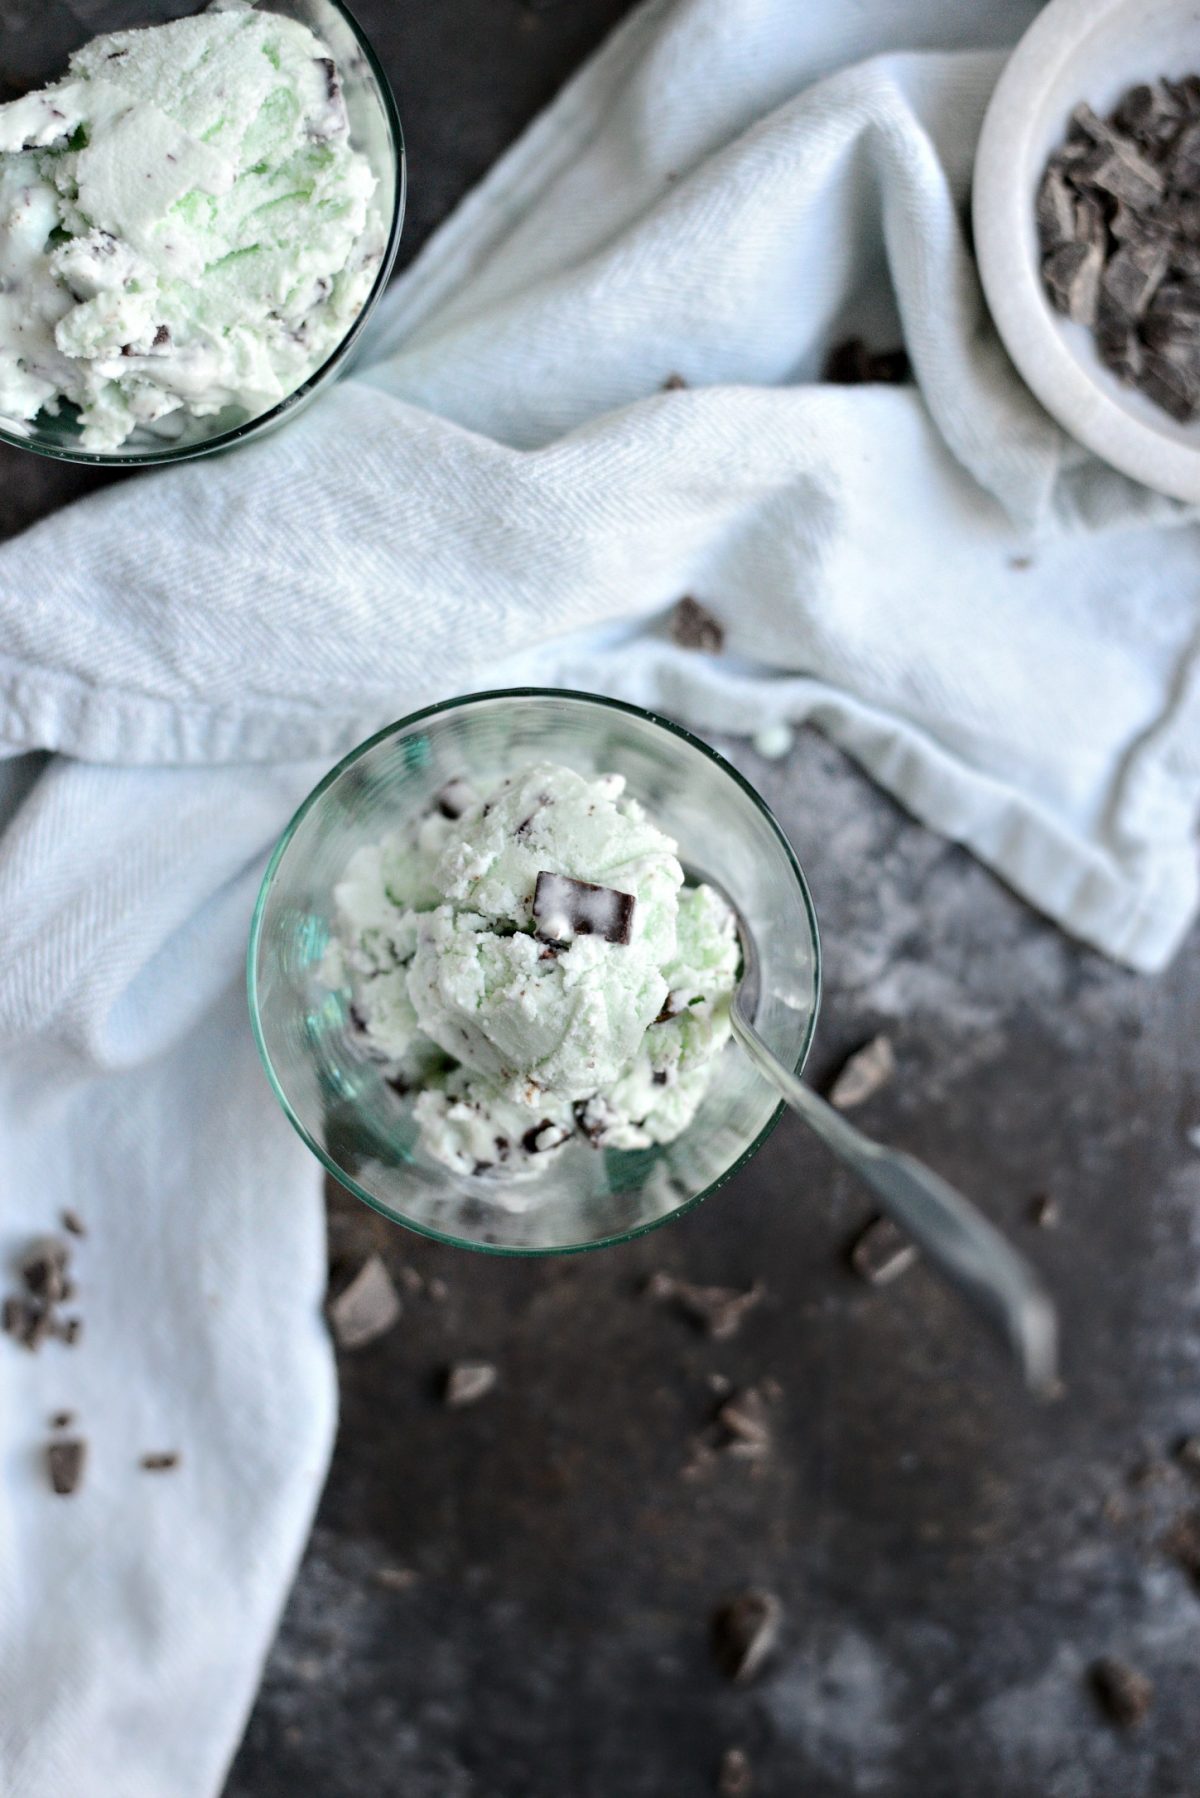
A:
952	1235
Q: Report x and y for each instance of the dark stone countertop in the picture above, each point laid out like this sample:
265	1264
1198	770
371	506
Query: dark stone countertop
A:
950	1557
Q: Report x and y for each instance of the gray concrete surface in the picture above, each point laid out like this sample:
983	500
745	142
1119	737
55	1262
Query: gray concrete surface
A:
951	1558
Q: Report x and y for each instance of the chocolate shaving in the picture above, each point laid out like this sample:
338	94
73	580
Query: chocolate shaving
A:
160	1462
72	1222
852	364
717	1310
1124	1694
544	1136
564	909
745	1632
881	1252
65	1462
693	626
467	1382
863	1074
367	1308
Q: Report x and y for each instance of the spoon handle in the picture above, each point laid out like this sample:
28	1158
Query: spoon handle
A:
956	1238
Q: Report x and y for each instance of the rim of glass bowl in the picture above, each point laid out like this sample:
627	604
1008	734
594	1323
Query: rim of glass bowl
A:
335	774
154	457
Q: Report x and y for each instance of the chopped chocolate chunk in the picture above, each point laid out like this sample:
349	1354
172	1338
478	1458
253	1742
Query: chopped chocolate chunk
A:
65	1460
1171	384
455	798
333	86
674	384
564	908
1182	1543
44	1269
367	1308
882	1252
734	1778
1072	279
396	1579
744	1634
72	1222
673	1005
62	1420
744	1418
852	364
161	1461
1125	1695
863	1074
1056	210
67	1329
1173	316
718	1310
467	1382
660	1077
1043	1211
1182	165
1132	274
693	626
162	338
1119	169
541	1137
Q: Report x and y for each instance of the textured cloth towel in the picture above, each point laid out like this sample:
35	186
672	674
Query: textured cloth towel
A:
1003	632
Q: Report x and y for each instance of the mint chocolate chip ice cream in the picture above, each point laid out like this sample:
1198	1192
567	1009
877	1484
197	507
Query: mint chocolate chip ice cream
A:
530	964
184	225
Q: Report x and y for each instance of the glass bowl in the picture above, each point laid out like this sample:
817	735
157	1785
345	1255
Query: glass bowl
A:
337	1097
35	43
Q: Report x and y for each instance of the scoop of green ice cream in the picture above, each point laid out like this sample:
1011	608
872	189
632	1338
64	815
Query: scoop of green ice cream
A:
183	224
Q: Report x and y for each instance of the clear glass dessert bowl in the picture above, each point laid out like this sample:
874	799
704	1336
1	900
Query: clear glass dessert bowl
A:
33	55
338	1098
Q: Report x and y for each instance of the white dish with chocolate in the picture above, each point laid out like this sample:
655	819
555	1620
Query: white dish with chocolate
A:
533	969
1090	275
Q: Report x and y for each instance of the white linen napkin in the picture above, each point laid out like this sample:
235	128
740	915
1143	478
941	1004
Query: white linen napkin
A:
1004	633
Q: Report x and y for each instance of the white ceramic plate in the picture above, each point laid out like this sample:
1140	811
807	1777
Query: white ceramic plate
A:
1091	50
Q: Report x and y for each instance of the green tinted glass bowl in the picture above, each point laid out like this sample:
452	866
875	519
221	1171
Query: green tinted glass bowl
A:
34	46
337	1097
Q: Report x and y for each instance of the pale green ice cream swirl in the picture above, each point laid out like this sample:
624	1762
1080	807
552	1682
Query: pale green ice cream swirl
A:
520	1044
184	224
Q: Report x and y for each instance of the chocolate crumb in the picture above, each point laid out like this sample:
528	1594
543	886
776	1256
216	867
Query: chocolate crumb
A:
72	1222
674	384
863	1074
161	1462
467	1382
62	1420
718	1310
693	626
44	1269
852	364
744	1418
881	1252
1124	1694
67	1329
396	1579
367	1308
734	1778
745	1632
1043	1211
65	1461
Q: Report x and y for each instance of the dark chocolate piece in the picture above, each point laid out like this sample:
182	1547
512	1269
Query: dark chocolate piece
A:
1056	210
852	364
881	1252
454	799
1072	279
718	1310
674	384
693	626
160	1462
734	1778
1125	1695
72	1222
863	1074
44	1269
745	1632
1182	1543
1132	274
1043	1211
744	1418
544	1136
467	1382
62	1420
65	1461
564	909
367	1308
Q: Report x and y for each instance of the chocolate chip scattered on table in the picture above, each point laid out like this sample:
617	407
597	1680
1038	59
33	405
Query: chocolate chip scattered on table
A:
1118	219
